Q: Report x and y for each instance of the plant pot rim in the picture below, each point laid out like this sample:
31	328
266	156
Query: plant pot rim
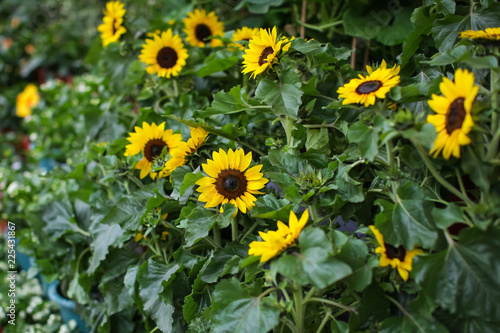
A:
53	295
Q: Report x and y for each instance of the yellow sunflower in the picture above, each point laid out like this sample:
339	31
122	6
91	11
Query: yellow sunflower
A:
199	27
228	182
399	257
26	100
274	242
262	52
180	154
164	54
243	34
489	33
453	119
111	29
366	90
151	140
287	43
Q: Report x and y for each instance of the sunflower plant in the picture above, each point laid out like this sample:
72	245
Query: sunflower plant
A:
331	167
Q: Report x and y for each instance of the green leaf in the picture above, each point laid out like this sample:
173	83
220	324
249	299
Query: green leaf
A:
106	235
407	222
227	103
269	207
236	311
449	57
315	263
411	324
128	210
447	216
225	261
284	96
318	140
422	19
217	62
320	53
154	278
201	220
366	138
348	188
135	73
465	279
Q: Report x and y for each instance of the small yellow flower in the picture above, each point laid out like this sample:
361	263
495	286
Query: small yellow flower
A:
111	29
398	258
229	181
27	100
243	34
180	154
151	140
165	54
200	27
274	242
453	119
366	90
262	52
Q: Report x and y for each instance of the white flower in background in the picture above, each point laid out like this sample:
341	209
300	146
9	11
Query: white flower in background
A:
2	314
72	324
63	329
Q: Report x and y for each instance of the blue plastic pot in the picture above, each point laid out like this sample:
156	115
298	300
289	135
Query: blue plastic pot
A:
24	261
66	306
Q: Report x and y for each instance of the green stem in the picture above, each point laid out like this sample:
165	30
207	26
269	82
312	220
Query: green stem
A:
234	229
216	233
495	126
314	213
324	321
299	307
288	124
438	176
252	228
390	157
154	329
134	180
338	305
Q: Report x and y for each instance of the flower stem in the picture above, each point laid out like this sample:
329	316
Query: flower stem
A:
299	307
329	302
216	233
438	176
234	229
495	126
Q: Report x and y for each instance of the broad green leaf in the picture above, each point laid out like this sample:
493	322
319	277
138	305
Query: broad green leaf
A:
465	279
454	55
233	101
320	53
348	188
269	207
128	211
154	278
411	324
318	140
224	261
258	6
447	216
201	220
217	62
106	235
422	18
236	311
408	221
284	96
315	264
366	138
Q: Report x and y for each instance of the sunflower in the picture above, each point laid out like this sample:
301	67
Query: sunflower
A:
243	34
165	54
287	42
366	89
489	33
261	52
111	29
180	154
274	242
228	182
453	120
26	100
151	140
199	27
399	257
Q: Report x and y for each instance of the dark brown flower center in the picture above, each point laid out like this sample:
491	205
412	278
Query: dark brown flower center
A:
153	149
368	87
455	115
393	252
231	183
263	56
114	28
167	57
202	32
